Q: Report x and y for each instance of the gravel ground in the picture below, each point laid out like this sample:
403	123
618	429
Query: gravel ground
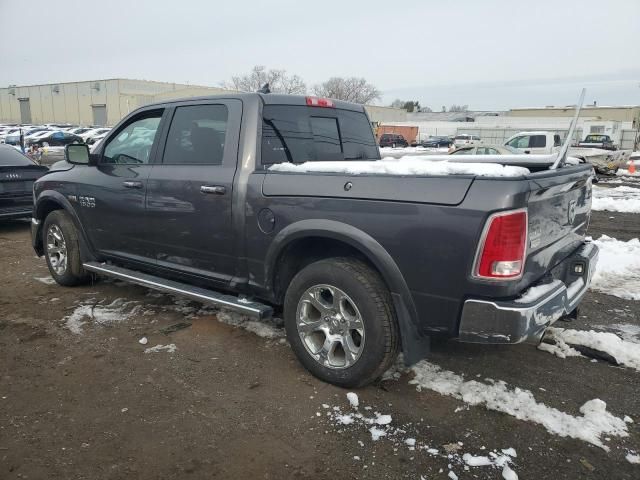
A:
230	404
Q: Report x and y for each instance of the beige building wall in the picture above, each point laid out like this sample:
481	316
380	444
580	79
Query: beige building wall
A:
378	115
621	114
73	102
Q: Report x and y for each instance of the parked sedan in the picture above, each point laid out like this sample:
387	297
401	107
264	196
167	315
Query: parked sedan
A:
94	132
56	139
486	150
17	174
437	142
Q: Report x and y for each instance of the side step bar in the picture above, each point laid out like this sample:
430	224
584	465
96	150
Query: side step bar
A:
251	309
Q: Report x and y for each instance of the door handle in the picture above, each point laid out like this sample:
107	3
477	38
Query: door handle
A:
213	189
130	184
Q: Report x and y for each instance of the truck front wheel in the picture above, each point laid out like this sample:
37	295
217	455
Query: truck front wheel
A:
62	250
340	321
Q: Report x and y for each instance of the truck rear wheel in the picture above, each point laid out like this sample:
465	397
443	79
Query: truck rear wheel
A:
340	322
62	250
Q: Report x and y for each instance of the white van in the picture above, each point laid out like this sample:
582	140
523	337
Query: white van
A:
464	140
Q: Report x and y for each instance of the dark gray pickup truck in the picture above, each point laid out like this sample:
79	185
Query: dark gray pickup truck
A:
196	197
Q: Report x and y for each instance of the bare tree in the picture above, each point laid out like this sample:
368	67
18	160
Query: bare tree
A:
458	108
279	81
351	89
409	105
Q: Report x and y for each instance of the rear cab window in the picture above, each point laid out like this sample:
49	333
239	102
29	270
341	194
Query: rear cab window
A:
298	134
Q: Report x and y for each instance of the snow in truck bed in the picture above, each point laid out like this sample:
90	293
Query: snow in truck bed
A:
413	165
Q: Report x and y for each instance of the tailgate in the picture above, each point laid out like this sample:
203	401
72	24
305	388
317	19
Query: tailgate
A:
559	212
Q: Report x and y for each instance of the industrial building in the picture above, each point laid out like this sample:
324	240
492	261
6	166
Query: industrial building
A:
95	102
621	123
105	102
626	113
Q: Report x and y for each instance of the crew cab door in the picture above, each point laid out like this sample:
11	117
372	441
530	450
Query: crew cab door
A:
190	190
111	196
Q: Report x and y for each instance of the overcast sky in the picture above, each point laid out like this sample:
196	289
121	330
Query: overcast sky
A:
487	54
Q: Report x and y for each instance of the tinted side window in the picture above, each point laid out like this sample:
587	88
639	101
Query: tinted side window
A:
132	144
556	141
302	134
538	141
197	135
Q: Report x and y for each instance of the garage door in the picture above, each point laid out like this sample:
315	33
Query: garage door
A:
25	110
99	114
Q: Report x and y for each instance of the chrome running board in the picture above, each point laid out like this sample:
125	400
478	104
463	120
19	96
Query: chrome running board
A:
251	309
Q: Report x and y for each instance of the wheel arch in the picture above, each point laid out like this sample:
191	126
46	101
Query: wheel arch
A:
320	239
47	202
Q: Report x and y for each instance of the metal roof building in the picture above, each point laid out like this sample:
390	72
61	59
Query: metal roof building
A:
95	102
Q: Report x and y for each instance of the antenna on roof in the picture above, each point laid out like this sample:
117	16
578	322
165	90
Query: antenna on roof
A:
265	88
562	154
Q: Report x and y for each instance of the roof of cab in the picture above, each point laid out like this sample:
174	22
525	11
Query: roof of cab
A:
266	98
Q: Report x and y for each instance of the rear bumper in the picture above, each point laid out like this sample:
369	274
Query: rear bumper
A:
524	320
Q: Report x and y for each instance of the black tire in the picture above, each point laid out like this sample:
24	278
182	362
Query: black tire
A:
73	274
372	300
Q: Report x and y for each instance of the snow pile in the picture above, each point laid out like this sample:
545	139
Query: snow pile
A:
353	399
380	427
265	328
594	422
409	165
625	353
618	269
632	458
117	311
618	199
629	332
559	349
170	348
625	172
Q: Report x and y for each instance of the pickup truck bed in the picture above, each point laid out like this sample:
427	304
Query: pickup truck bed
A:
290	207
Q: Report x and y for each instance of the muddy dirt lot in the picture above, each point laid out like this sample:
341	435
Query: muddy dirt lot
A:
80	398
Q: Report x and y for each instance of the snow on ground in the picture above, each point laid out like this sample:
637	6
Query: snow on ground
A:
629	332
381	429
619	199
408	165
559	349
121	310
618	269
625	172
45	280
170	348
633	458
497	395
265	328
97	312
625	353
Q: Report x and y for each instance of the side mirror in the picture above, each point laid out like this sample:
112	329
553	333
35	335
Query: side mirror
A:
77	153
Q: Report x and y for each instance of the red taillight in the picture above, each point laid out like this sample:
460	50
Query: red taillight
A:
320	102
503	246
